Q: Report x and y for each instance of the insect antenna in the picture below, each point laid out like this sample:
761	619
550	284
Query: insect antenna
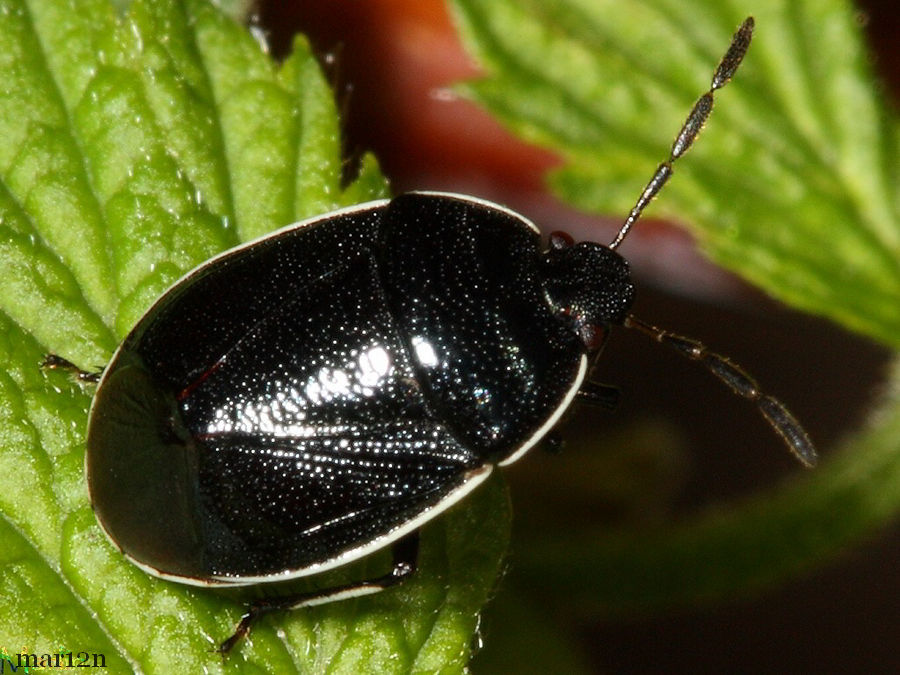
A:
742	384
692	125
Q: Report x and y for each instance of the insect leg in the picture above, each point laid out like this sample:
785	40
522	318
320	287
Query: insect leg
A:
602	395
54	362
405	556
741	383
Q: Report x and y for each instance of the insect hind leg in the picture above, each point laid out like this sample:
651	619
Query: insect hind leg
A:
405	559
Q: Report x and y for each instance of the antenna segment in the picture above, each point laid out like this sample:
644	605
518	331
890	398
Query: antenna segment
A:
737	379
692	125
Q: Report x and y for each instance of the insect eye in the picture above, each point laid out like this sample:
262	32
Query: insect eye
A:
560	240
593	336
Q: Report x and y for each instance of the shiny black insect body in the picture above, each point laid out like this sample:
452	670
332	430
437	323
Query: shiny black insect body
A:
318	394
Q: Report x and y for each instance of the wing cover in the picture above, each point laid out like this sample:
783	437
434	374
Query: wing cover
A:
327	442
303	433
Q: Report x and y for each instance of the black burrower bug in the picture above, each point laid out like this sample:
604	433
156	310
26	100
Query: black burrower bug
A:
318	394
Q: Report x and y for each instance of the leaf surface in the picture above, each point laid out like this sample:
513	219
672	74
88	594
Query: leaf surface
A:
794	185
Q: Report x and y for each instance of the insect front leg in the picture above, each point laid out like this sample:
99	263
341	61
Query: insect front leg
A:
603	395
405	559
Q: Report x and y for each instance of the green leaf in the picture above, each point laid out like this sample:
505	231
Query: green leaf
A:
795	184
136	145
